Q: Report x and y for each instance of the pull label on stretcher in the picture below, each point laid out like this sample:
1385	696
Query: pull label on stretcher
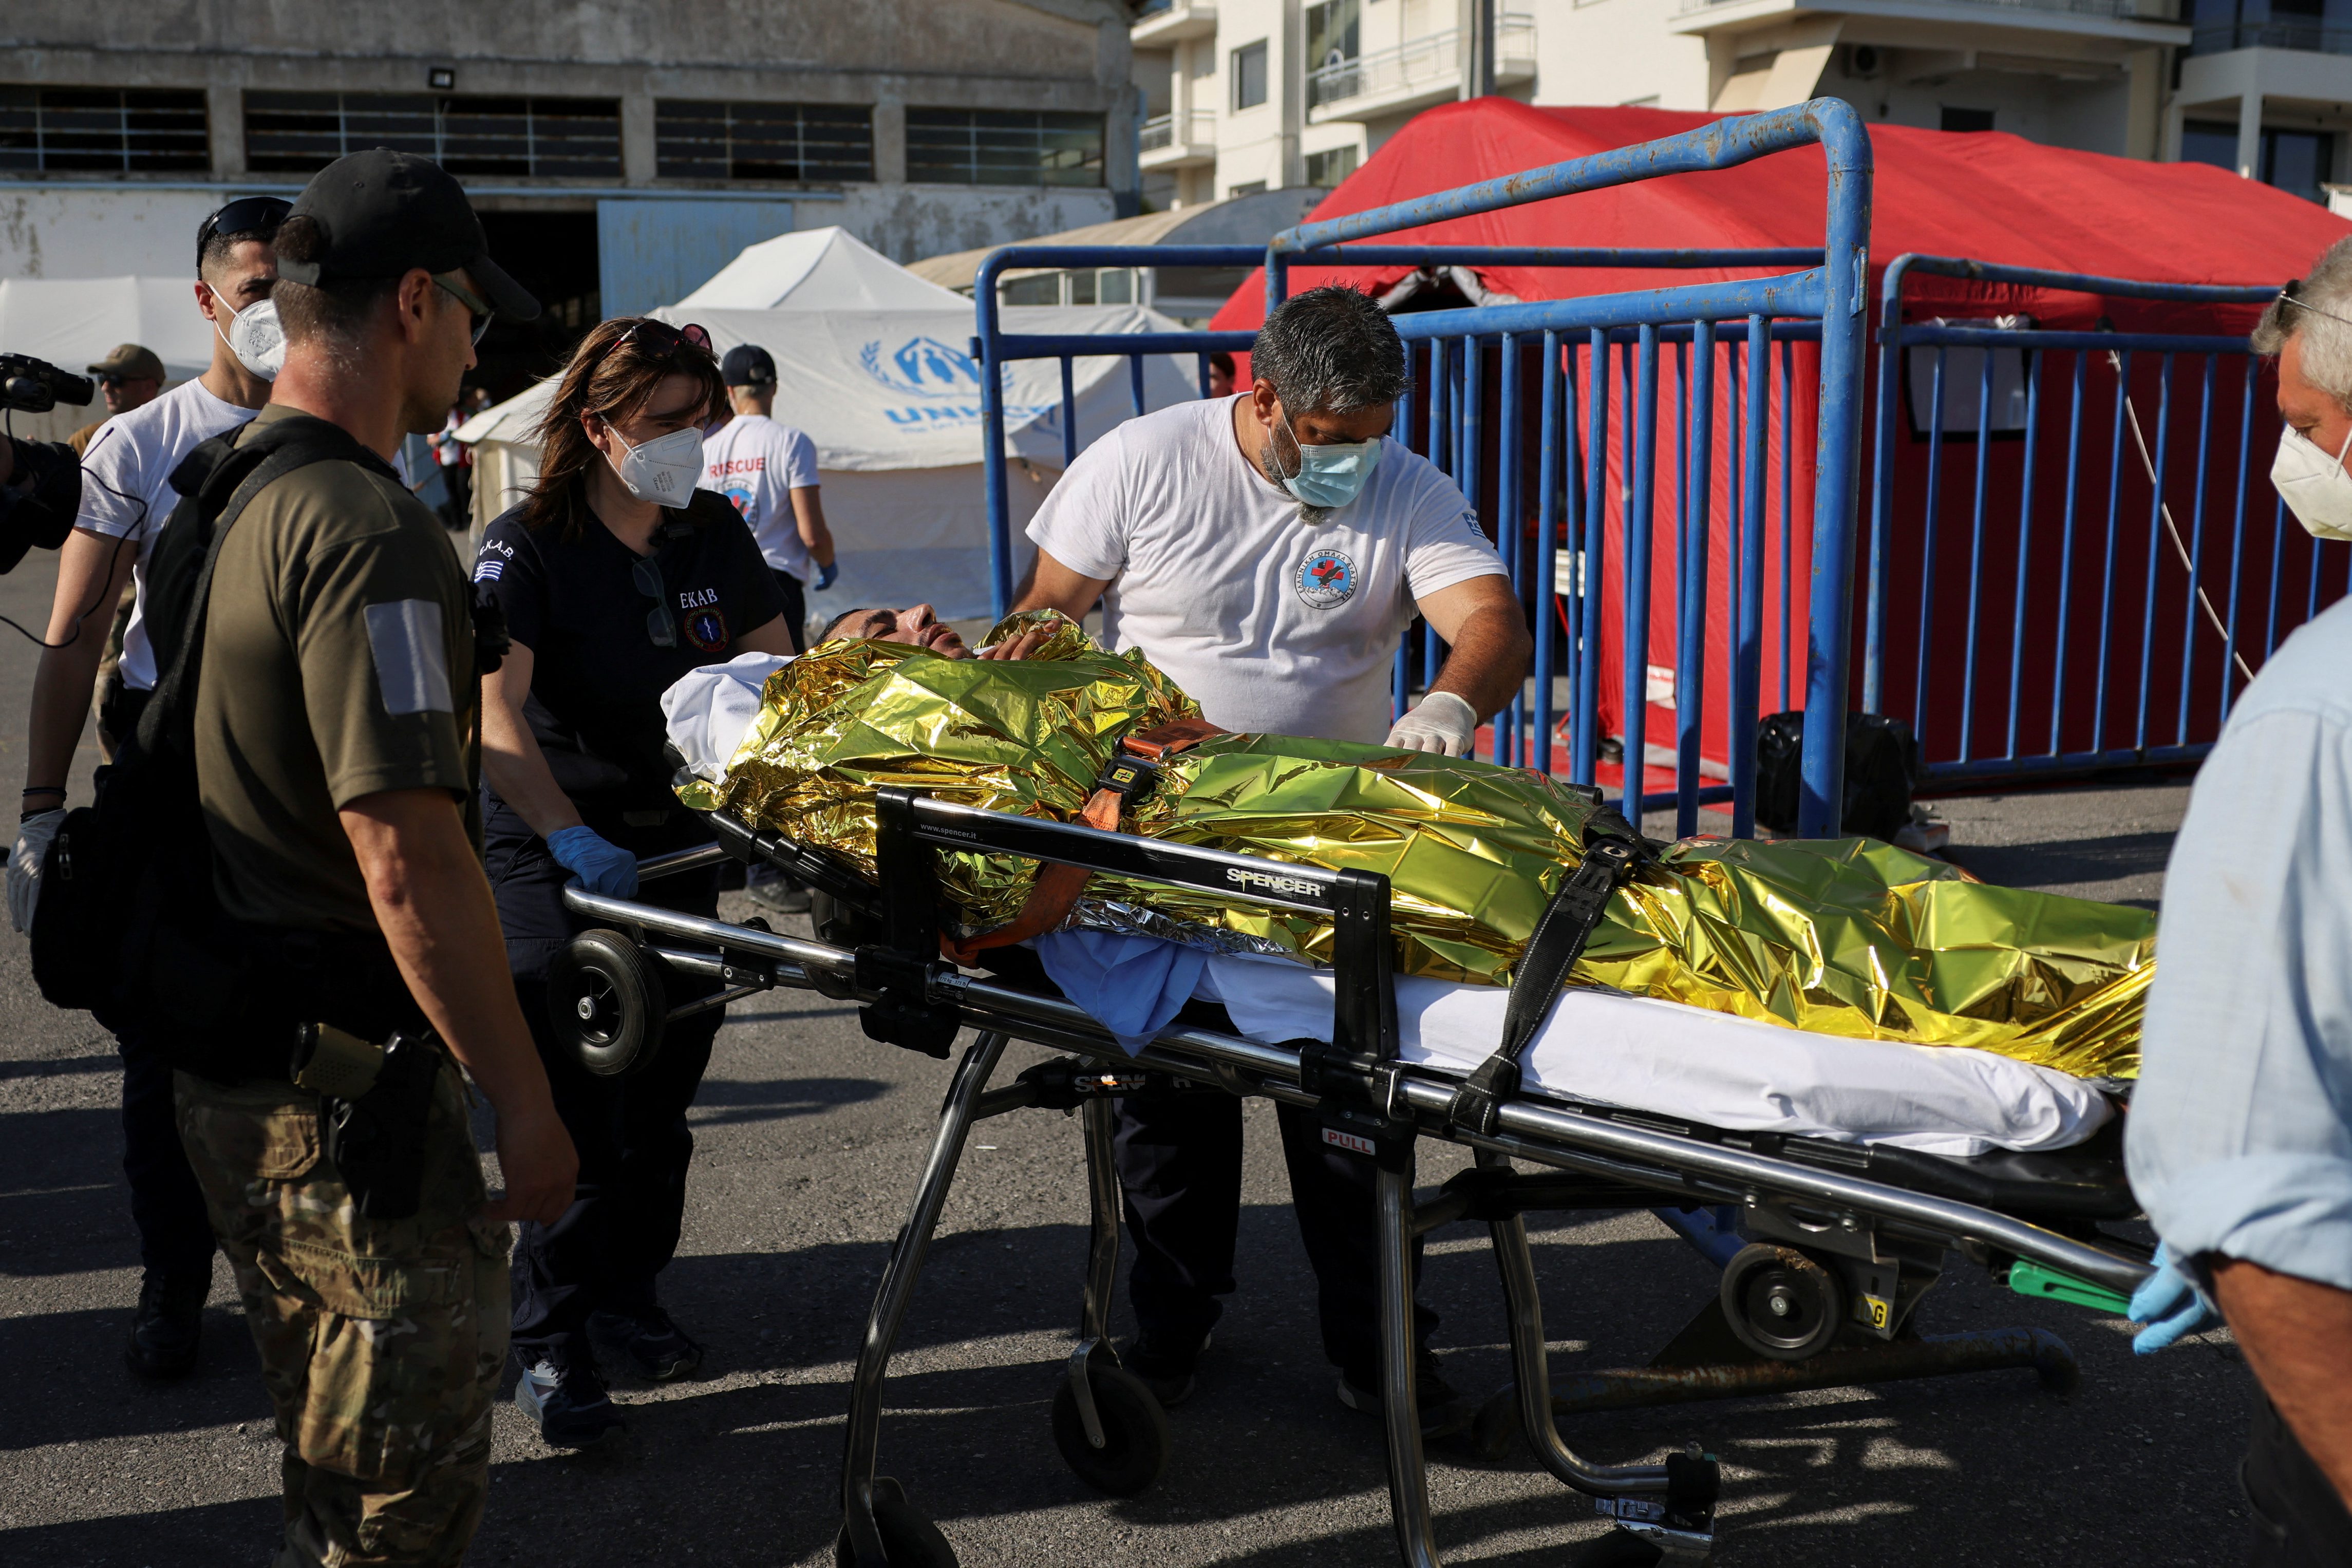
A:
1350	1142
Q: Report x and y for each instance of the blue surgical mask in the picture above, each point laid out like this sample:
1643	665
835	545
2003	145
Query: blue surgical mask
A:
1329	476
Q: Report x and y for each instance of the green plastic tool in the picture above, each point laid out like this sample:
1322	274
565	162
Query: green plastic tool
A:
2028	1277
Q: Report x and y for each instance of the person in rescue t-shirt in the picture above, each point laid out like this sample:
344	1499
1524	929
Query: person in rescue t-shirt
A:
1267	551
769	470
618	575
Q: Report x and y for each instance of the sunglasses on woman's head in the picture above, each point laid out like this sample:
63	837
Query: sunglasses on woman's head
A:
659	339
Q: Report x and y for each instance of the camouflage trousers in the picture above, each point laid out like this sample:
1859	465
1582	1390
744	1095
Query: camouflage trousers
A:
381	1341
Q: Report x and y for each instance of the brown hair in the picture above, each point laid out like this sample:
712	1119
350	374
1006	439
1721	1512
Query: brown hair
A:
611	384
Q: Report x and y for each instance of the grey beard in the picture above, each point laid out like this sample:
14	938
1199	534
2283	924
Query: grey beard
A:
1311	516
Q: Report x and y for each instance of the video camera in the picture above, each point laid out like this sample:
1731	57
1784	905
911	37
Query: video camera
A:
42	495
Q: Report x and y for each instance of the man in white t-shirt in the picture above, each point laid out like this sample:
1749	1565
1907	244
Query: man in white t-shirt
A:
126	498
769	471
1267	551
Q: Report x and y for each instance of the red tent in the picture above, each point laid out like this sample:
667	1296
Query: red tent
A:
1986	196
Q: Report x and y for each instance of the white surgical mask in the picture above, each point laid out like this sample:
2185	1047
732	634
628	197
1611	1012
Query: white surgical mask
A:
254	336
663	470
2313	485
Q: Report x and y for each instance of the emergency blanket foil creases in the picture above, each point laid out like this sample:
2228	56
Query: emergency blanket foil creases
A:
1850	937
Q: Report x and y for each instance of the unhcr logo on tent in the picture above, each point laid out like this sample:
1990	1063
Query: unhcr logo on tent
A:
925	368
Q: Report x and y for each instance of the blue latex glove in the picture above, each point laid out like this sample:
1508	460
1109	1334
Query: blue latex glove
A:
825	574
2171	1304
596	865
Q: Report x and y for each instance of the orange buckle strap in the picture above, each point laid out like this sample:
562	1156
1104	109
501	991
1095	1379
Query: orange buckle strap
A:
1128	777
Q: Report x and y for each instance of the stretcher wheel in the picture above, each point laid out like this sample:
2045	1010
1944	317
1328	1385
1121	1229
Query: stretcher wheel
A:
605	1002
1781	1302
909	1539
1135	1433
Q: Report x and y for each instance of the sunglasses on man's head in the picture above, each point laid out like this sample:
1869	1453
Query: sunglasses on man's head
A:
2293	294
247	214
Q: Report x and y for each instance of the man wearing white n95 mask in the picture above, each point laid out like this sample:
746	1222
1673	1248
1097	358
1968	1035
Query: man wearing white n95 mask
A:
1267	551
126	498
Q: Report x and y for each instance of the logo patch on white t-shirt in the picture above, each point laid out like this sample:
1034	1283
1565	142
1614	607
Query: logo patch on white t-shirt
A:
1327	579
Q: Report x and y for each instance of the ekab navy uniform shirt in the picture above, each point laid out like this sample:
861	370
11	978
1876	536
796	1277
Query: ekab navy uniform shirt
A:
597	675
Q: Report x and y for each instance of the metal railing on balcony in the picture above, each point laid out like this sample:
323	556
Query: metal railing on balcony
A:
2309	34
1423	62
2125	9
1159	132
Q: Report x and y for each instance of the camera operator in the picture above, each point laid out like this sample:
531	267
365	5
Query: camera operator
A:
130	376
126	498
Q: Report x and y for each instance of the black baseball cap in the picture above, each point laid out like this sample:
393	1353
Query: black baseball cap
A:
382	212
748	365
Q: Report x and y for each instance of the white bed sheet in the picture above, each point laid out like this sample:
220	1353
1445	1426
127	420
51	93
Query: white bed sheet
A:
1662	1057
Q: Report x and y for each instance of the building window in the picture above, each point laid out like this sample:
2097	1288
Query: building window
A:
1966	119
1249	74
1326	169
762	141
1252	188
1003	147
531	137
105	130
2301	162
1333	37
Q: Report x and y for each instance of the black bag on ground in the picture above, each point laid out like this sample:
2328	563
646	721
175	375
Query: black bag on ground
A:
128	924
1882	768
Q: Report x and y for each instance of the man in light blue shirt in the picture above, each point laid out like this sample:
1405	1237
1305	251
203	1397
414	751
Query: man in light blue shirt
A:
2240	1141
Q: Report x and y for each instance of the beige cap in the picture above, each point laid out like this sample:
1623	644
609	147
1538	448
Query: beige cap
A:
131	363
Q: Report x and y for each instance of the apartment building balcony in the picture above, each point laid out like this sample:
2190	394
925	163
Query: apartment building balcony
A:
2134	23
1172	22
1417	74
1179	141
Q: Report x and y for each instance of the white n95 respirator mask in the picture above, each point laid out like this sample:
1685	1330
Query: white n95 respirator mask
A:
663	470
254	336
2313	485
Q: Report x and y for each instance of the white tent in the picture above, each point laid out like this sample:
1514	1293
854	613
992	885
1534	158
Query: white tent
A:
75	322
891	398
817	269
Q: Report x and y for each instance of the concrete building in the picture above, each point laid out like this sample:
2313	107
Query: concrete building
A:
1250	94
621	154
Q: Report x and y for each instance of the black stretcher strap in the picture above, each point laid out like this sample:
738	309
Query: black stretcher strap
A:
1611	853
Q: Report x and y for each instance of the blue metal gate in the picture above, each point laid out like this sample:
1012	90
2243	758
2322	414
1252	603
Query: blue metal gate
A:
2124	566
1580	345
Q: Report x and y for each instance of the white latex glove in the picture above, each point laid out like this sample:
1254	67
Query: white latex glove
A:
33	841
1441	722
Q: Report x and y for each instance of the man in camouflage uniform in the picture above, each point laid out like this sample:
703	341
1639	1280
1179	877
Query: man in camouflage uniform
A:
336	745
386	1454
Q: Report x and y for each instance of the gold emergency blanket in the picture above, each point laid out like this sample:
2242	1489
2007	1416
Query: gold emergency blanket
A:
1847	936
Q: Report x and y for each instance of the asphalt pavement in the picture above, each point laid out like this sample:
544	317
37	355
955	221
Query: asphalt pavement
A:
809	1141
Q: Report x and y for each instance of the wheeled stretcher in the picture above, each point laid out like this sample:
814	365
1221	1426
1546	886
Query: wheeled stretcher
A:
1827	1245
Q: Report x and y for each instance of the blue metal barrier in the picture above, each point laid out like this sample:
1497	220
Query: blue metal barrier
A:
1723	392
2107	600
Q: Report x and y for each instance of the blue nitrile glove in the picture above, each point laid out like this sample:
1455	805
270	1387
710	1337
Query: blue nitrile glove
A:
598	866
2171	1304
825	574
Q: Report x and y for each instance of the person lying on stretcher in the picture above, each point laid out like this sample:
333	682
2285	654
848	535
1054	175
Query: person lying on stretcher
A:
1850	937
919	626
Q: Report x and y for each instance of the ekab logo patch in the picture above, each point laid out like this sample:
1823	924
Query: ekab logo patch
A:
1327	579
706	629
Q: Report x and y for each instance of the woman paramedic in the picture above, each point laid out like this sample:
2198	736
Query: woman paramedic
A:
616	577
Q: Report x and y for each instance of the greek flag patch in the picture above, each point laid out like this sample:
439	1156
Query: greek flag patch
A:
412	658
488	568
